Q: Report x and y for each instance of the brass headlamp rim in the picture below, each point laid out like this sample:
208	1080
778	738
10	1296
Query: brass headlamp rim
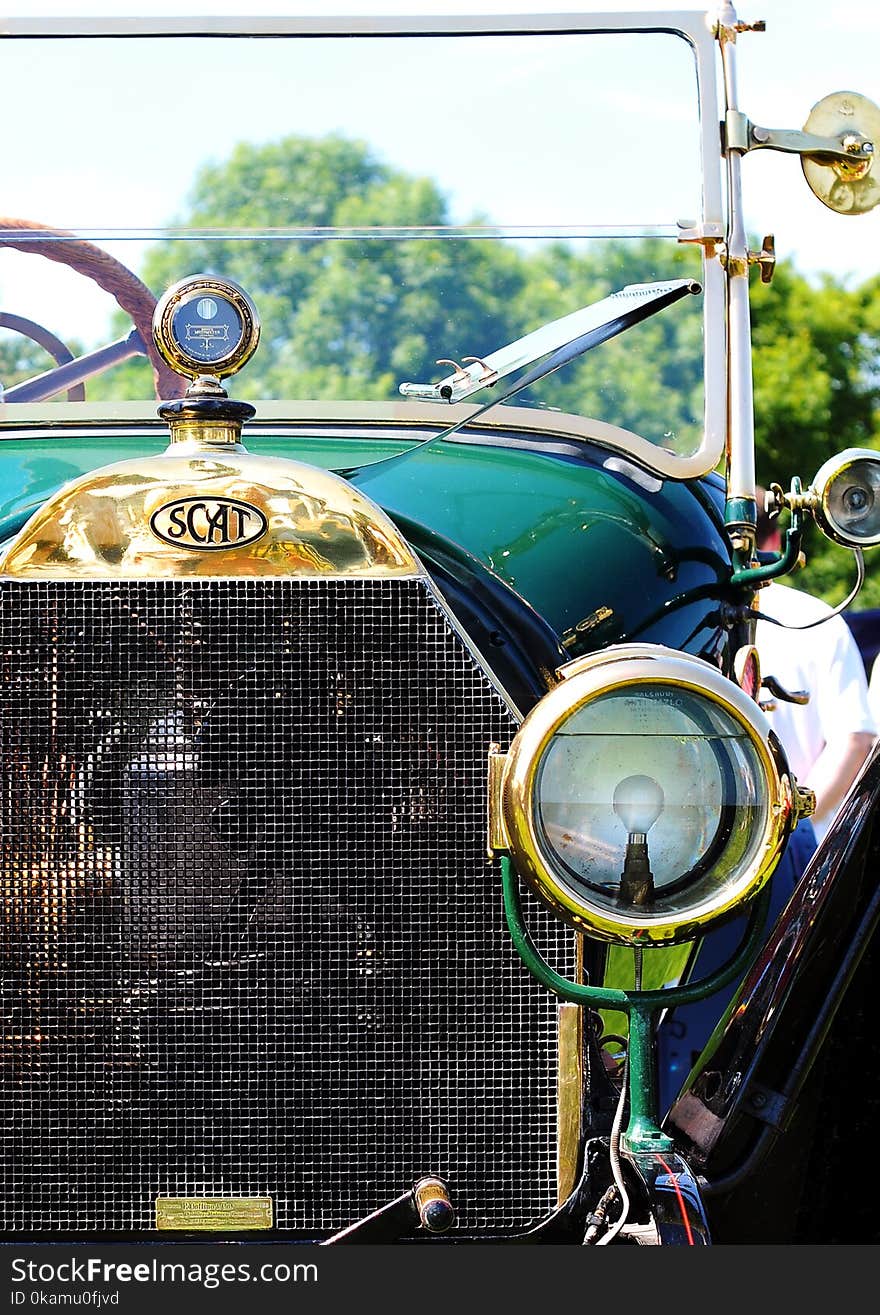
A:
637	665
186	290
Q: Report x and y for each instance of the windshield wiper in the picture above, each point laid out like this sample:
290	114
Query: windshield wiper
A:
599	321
551	346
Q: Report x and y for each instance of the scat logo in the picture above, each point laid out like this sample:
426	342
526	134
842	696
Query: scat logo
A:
208	524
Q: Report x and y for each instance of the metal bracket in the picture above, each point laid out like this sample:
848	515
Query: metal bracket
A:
804	801
739	134
709	236
768	1106
426	1206
800	696
765	259
790	557
497	838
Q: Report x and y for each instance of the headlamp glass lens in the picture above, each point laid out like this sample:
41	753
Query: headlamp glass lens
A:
853	501
655	768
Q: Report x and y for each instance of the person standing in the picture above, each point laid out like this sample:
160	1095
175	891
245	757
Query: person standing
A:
874	688
827	740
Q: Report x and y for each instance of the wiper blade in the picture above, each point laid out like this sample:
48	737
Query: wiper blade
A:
603	319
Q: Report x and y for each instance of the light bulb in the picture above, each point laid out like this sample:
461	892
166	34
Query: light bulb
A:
638	802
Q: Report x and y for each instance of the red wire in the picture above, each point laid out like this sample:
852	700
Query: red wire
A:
681	1202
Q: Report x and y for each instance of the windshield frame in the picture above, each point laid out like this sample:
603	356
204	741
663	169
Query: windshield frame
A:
696	27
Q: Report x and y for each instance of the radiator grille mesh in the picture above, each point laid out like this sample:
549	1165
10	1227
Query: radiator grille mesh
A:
249	942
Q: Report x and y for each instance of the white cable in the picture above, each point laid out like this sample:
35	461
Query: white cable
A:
617	1128
860	580
616	1169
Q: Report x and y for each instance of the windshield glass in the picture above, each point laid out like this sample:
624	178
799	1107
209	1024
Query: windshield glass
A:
387	201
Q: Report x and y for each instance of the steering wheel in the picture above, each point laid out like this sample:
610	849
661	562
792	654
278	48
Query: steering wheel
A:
43	337
133	296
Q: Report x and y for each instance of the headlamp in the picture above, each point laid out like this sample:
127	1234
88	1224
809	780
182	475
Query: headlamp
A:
845	498
645	796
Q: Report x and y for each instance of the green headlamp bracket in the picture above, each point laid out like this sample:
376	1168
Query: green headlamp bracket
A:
643	1132
785	562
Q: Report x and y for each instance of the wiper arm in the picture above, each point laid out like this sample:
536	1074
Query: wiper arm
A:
588	327
571	336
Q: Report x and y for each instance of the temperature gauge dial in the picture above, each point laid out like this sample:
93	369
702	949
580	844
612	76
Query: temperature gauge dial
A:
206	325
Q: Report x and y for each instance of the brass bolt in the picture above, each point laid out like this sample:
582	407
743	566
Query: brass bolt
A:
856	145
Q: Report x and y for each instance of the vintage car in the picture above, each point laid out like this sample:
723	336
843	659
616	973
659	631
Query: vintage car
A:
379	746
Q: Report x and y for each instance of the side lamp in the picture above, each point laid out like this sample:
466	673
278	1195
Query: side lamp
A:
844	498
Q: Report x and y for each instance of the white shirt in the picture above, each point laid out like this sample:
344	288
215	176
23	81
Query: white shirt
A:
825	661
874	690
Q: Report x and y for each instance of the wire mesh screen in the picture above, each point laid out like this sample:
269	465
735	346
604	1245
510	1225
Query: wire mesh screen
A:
250	943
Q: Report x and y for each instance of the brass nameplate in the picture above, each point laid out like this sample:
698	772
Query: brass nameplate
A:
218	1214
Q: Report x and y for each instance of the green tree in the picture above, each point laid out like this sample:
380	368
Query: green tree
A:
817	391
649	379
21	359
352	317
341	317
